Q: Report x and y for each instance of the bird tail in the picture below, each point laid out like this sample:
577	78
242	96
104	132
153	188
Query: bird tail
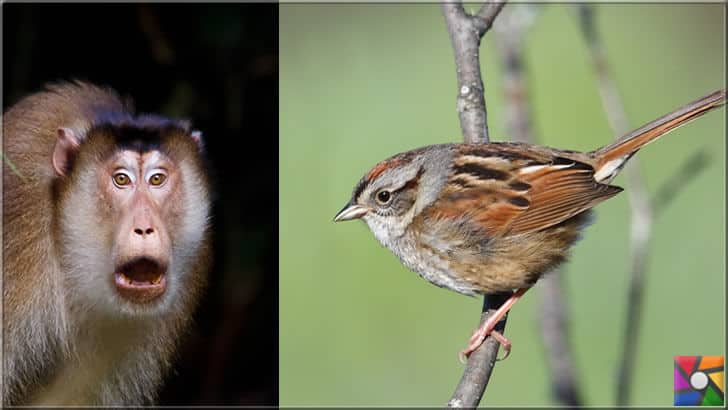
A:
611	158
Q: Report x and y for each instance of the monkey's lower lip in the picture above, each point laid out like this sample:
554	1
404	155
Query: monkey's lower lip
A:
141	280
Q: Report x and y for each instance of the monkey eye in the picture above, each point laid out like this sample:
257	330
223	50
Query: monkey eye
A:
121	179
157	179
383	197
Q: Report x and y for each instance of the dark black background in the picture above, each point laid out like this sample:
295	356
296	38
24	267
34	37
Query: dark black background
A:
217	65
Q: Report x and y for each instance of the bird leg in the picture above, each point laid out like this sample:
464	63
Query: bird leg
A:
486	329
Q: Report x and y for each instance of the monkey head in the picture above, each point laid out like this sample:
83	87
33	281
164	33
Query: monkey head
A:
133	214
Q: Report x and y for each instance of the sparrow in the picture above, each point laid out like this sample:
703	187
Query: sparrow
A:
489	218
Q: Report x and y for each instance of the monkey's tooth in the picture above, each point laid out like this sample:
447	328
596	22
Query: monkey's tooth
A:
156	280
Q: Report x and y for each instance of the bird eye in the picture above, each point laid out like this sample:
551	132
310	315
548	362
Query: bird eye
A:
383	196
157	179
121	179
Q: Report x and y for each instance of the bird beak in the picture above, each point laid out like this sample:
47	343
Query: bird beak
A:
351	211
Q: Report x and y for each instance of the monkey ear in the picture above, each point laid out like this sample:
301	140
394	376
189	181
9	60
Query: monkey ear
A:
197	137
64	151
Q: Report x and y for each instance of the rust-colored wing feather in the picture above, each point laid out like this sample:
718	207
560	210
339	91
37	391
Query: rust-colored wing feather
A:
559	194
515	188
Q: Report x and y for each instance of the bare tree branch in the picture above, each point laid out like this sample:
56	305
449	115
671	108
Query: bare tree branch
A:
638	200
642	208
509	33
694	165
486	15
160	46
555	332
480	365
466	31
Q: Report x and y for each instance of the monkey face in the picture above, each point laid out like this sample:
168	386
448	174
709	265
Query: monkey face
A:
139	219
140	187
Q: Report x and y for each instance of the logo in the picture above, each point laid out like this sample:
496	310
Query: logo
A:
699	381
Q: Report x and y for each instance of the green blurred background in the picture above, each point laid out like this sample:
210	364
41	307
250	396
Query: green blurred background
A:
359	83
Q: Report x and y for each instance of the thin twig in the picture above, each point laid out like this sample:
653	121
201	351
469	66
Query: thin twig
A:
638	200
555	333
480	365
466	32
643	210
160	46
509	33
694	165
13	168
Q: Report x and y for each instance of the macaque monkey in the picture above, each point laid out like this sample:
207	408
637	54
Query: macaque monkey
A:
106	246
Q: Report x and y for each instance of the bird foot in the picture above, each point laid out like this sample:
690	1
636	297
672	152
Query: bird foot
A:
487	328
477	339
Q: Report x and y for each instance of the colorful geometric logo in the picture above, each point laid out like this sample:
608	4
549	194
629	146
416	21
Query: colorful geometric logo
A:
699	381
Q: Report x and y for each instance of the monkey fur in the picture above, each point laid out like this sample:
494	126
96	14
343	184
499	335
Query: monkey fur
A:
69	336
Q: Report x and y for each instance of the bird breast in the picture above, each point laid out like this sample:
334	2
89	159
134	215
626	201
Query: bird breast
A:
424	261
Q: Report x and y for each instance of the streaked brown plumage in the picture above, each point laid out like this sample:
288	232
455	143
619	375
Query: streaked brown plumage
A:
487	218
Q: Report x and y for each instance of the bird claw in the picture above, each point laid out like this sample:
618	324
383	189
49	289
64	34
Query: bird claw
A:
504	342
477	339
488	328
463	357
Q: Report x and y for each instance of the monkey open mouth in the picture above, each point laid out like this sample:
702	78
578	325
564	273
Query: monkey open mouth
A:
141	280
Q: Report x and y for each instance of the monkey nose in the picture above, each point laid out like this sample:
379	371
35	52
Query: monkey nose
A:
143	222
143	232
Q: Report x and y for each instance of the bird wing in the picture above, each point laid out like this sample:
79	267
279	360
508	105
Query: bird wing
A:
505	193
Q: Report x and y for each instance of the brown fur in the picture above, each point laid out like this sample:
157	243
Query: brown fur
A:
56	350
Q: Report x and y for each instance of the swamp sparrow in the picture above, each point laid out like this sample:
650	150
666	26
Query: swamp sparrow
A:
491	218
